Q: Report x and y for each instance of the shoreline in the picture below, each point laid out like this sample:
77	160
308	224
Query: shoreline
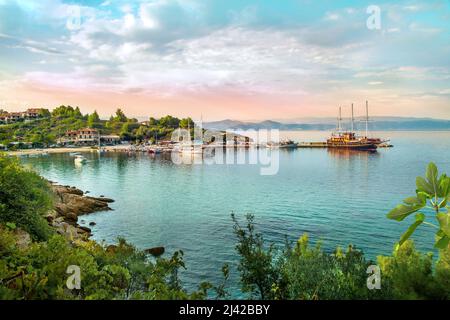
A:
28	152
71	204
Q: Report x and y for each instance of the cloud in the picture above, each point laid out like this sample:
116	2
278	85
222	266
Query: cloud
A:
258	49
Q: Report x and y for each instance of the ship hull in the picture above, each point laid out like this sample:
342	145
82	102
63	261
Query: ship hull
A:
362	146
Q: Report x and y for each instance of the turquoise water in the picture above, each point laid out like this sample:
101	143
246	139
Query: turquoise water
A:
337	197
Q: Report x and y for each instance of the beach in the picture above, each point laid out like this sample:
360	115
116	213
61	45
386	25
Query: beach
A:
28	152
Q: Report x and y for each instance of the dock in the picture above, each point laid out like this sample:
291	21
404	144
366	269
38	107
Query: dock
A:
312	145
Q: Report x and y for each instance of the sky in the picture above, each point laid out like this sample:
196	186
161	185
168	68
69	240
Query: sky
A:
227	59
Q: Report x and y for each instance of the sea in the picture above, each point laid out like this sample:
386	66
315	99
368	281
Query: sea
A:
336	197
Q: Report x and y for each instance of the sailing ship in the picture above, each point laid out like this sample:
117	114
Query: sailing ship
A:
343	139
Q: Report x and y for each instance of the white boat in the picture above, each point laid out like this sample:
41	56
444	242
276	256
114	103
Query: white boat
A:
80	159
192	148
154	150
287	144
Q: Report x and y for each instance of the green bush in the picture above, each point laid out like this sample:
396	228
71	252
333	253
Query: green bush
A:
305	272
114	272
24	198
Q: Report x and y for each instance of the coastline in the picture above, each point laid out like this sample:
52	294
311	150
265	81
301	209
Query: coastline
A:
70	204
31	152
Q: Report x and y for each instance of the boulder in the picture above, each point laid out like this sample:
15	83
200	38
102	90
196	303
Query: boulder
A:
70	203
156	251
79	205
70	216
85	229
111	248
107	200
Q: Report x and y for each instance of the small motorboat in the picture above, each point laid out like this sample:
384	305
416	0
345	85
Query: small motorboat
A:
79	159
155	150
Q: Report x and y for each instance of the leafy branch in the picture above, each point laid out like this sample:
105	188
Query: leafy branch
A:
433	193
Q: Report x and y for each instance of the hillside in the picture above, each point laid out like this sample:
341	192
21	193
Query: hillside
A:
376	123
47	130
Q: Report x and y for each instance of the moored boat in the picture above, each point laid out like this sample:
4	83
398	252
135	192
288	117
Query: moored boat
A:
79	159
286	144
349	140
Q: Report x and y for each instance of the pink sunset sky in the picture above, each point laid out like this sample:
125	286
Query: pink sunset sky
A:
226	60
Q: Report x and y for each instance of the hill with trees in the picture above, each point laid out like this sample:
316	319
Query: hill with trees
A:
48	129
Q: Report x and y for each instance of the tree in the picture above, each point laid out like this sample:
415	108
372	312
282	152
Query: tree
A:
187	123
77	113
120	116
25	198
44	113
93	120
169	121
258	273
152	121
125	131
436	192
67	112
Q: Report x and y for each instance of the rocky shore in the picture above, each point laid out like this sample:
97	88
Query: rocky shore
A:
71	203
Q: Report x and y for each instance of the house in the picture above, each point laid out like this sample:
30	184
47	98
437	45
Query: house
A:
12	117
110	139
33	113
20	145
87	137
3	118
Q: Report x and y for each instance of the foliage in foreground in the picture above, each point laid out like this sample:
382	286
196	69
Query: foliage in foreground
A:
434	190
300	271
296	271
24	198
114	272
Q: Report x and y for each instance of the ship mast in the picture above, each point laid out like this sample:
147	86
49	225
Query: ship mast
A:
353	119
339	120
367	119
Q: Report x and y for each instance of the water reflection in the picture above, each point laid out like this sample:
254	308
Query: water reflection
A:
346	154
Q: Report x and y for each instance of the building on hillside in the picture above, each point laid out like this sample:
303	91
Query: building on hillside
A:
29	114
109	140
20	145
12	117
87	137
33	113
3	118
82	137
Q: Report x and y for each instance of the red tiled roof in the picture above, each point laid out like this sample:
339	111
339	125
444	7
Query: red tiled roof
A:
88	130
34	110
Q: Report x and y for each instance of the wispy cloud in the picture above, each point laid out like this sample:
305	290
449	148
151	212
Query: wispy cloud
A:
273	53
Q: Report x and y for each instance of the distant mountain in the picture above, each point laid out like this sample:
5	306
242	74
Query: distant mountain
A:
376	123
